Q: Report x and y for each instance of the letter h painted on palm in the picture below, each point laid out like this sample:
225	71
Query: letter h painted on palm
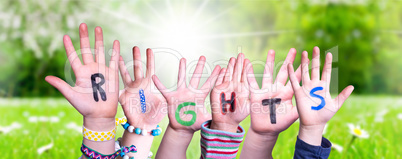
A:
231	102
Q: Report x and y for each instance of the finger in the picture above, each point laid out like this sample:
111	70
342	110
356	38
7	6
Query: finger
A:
293	78
267	78
123	71
238	68
71	54
298	76
304	67
246	65
114	60
282	76
62	86
99	47
211	79
251	78
181	81
220	77
160	86
85	46
229	70
315	64
150	63
138	74
326	71
195	79
344	95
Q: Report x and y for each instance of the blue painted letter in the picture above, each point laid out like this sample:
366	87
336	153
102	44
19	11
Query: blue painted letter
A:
317	96
143	103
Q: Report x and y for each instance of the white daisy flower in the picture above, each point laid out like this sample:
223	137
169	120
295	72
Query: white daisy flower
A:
380	116
74	126
7	129
44	148
337	147
357	131
399	116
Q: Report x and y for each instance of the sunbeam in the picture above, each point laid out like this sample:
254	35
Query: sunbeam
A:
130	20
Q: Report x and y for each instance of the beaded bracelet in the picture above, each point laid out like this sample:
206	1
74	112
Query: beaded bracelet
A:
143	132
92	154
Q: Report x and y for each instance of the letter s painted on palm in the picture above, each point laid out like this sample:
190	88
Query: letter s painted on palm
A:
319	107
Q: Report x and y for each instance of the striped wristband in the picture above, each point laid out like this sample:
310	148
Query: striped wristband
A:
219	144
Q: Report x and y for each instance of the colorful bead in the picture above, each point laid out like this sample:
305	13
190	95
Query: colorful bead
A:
144	132
130	129
154	133
138	131
126	125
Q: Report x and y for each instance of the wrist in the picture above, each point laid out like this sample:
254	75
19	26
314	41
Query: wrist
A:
182	132
99	124
311	134
259	145
141	124
264	136
224	126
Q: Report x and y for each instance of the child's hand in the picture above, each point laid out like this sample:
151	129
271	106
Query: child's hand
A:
96	90
148	112
230	96
186	110
313	100
272	109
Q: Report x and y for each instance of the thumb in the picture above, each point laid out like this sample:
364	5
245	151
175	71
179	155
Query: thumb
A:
61	85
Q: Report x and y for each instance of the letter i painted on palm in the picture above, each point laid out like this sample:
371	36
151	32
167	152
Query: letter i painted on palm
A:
143	103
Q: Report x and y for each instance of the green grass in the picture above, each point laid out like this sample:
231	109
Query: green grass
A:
384	140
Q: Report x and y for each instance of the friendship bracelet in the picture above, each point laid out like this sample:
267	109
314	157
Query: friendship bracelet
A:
98	135
92	154
124	150
143	132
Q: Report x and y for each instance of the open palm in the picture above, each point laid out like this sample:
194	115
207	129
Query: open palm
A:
272	110
147	113
313	100
186	110
95	94
233	84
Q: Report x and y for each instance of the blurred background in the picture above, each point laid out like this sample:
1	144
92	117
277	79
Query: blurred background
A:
365	37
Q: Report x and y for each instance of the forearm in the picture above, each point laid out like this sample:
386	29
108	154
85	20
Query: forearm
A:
174	144
100	125
143	143
258	145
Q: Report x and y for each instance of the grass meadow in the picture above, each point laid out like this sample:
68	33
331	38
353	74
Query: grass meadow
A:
39	122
